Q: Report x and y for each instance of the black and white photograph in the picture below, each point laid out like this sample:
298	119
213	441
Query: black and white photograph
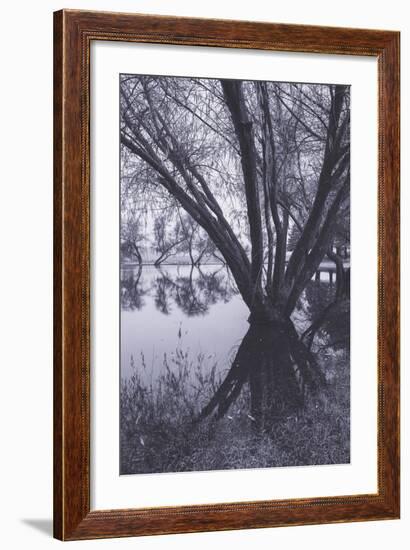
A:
234	274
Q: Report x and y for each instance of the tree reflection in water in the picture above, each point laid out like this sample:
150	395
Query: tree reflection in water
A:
327	313
132	289
193	293
278	365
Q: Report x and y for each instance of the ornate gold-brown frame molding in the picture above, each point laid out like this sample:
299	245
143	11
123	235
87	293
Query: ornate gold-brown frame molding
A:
73	33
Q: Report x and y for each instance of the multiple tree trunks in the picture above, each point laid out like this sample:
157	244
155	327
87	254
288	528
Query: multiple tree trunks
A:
267	134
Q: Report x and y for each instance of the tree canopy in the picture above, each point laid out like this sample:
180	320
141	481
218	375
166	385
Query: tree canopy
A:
252	164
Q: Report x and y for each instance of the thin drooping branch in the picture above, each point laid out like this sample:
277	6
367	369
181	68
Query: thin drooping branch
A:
299	120
309	108
213	128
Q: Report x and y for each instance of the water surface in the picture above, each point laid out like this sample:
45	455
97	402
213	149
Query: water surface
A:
197	310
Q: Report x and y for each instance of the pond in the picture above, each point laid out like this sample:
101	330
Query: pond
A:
189	353
197	310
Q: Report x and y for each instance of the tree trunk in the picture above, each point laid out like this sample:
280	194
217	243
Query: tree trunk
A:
342	275
137	254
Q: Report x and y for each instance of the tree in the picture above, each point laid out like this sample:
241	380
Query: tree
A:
166	242
249	161
196	244
131	239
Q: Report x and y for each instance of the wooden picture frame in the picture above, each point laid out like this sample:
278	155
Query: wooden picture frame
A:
73	33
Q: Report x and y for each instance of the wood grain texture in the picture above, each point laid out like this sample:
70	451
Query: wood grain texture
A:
73	32
58	278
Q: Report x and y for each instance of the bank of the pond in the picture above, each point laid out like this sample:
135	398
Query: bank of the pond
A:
157	433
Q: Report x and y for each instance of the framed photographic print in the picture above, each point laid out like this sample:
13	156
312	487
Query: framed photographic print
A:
226	275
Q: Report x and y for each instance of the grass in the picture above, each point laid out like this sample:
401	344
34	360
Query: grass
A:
157	434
